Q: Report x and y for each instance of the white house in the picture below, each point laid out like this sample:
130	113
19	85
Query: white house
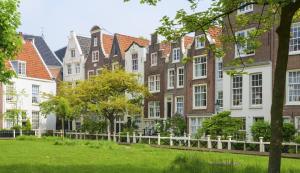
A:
33	80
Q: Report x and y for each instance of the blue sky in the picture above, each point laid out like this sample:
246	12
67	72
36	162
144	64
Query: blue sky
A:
56	18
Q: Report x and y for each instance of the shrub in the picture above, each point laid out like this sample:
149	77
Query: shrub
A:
27	125
178	124
92	125
261	129
289	131
297	140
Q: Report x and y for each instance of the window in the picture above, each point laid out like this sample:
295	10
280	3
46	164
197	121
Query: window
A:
98	71
35	120
135	62
90	73
171	78
256	89
154	83
154	59
200	65
237	89
115	66
245	9
180	77
256	119
220	70
200	96
21	68
77	68
179	105
95	56
72	53
10	89
35	93
176	55
69	68
196	123
200	41
295	38
293	87
220	99
95	42
243	48
154	109
243	127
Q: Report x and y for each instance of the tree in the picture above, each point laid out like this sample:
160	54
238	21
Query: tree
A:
62	104
278	13
178	124
111	95
221	124
10	42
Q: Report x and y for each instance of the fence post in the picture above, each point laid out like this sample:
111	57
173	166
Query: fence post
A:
140	138
296	148
115	138
39	133
229	142
21	132
184	141
108	136
219	143
171	140
97	136
53	133
208	142
261	145
128	139
35	133
14	133
133	138
158	139
119	137
189	140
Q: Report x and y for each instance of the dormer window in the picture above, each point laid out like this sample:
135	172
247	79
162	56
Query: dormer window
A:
73	53
200	41
176	55
95	42
21	68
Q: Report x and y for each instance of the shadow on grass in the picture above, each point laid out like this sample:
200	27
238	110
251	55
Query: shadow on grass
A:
84	168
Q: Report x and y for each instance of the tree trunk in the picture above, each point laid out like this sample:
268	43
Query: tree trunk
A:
283	32
111	125
63	127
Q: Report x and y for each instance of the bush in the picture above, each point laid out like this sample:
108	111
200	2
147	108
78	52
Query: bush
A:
289	131
261	129
297	140
27	125
92	125
178	124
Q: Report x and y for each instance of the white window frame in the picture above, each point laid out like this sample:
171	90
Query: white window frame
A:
252	87
171	78
176	55
73	53
288	102
35	121
155	105
155	82
95	56
35	93
77	68
178	77
134	62
98	71
95	41
194	97
197	125
201	63
220	70
200	44
232	93
9	92
153	59
241	52
246	9
294	52
220	99
89	75
21	69
176	105
69	69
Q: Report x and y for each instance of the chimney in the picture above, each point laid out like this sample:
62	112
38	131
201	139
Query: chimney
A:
154	38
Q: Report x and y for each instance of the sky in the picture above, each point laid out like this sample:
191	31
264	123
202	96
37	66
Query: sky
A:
56	18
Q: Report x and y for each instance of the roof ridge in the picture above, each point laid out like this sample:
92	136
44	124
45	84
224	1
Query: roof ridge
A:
131	36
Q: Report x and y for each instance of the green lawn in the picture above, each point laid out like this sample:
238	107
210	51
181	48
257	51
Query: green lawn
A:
45	156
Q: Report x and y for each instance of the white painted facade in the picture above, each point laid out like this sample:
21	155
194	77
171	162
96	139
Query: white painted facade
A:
246	110
73	61
24	84
218	85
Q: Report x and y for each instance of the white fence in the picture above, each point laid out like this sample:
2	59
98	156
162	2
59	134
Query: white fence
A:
184	141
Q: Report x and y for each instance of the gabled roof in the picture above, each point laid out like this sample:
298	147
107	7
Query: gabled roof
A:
125	42
85	44
107	41
214	33
165	47
188	41
60	53
35	67
48	56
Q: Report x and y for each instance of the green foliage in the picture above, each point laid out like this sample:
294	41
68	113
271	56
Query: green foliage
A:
289	132
261	129
297	140
93	125
178	125
10	42
220	125
27	125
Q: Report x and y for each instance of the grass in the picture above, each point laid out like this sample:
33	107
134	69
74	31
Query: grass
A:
51	155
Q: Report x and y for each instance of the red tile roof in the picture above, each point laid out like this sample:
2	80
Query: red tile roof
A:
125	42
107	43
215	32
188	41
35	67
165	47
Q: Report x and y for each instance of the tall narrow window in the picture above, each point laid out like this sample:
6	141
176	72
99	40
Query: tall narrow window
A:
35	120
153	59
35	93
21	68
154	109
200	41
95	42
180	77
69	68
95	56
154	83
220	70
293	87
72	53
220	99
10	92
256	89
200	67
176	55
200	96
237	89
77	68
135	62
171	78
295	38
244	47
180	105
